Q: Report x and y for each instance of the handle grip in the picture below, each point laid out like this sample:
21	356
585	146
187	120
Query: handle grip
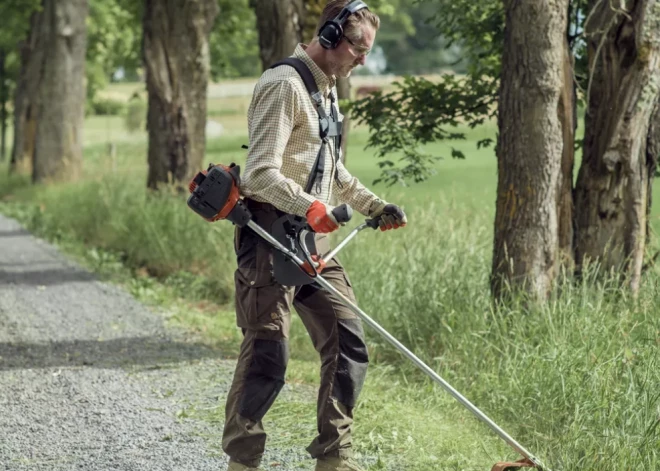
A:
343	213
389	209
373	223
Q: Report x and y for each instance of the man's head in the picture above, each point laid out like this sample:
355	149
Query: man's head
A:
353	46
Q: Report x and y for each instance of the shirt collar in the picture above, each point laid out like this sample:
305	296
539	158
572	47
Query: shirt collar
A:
324	82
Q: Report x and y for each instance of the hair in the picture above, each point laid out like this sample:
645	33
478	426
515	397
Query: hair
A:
351	26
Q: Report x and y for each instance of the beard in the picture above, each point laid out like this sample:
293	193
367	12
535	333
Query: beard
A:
342	70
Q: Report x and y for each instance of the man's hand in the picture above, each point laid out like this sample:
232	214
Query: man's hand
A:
320	218
389	216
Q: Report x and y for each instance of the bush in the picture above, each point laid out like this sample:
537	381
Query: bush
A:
107	107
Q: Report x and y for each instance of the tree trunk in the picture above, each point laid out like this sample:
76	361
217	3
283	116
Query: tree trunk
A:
60	104
612	190
176	57
3	106
50	98
652	156
568	118
24	98
280	25
529	148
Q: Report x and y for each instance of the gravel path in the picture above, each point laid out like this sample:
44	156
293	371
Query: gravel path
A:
92	380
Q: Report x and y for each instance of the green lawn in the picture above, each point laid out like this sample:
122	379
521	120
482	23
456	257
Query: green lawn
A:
575	381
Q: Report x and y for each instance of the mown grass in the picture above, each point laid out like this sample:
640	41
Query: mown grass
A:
576	381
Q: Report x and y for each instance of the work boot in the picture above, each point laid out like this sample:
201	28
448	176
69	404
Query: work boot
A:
236	466
333	463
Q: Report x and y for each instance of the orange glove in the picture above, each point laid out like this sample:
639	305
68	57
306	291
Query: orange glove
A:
320	218
310	271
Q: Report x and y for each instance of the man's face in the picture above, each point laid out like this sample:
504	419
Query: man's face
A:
351	53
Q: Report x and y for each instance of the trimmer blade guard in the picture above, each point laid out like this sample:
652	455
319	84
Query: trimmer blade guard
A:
285	271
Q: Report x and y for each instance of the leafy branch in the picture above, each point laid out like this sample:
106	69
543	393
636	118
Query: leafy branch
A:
419	112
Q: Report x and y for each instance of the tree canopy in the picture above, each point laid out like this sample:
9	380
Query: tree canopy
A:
419	111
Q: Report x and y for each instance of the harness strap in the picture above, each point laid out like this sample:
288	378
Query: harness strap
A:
329	127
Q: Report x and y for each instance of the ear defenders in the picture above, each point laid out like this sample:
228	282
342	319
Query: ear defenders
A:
333	30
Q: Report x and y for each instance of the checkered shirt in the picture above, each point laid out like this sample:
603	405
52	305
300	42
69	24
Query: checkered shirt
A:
283	129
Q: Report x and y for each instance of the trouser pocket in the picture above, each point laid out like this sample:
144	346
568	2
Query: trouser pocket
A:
261	303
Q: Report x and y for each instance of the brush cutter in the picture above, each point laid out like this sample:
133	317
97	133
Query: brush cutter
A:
215	195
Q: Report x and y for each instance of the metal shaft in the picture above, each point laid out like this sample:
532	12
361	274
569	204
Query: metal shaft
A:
343	243
426	369
398	345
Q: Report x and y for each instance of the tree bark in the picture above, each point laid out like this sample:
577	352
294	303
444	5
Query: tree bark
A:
176	57
3	106
23	146
529	148
612	190
568	119
60	106
50	96
280	24
652	156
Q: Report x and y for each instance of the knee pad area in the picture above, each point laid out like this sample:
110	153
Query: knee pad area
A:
265	377
351	363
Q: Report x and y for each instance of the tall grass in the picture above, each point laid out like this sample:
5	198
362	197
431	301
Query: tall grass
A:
578	378
151	233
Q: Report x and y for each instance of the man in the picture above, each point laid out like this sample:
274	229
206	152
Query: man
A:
283	126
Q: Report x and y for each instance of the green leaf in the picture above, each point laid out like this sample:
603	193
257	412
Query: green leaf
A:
484	142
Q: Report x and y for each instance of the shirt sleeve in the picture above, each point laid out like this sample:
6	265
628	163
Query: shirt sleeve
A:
351	191
274	110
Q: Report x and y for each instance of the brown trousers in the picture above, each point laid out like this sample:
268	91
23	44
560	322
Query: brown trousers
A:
263	312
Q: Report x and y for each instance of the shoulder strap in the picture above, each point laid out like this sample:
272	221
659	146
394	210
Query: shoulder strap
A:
304	72
313	90
328	127
307	77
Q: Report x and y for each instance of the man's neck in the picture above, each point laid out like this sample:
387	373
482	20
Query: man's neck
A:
319	55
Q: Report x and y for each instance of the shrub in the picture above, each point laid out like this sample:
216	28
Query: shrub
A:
107	107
